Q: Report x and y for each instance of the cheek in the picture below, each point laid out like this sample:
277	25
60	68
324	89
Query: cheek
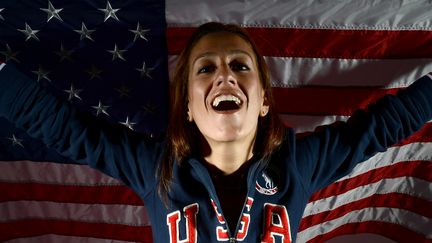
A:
257	92
196	96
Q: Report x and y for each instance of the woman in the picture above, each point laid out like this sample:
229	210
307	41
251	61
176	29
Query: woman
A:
227	171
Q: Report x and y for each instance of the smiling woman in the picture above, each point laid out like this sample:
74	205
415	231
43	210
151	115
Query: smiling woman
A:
227	169
222	106
220	64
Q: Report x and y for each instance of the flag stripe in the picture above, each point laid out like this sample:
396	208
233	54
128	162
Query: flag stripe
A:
35	227
359	238
409	152
92	213
53	173
308	123
338	101
294	72
400	185
288	72
360	14
390	230
416	224
419	169
326	43
65	239
72	194
391	200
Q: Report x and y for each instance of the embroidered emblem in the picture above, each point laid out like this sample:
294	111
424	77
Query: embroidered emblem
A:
269	188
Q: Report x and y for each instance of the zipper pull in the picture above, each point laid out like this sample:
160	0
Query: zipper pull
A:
232	240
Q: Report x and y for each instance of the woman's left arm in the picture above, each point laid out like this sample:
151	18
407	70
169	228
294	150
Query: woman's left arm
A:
330	153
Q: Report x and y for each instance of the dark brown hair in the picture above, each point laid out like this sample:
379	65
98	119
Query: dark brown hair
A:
183	136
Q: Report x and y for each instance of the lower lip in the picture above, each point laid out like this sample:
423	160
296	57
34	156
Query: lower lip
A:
226	112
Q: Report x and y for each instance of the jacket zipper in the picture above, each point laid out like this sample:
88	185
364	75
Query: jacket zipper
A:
234	239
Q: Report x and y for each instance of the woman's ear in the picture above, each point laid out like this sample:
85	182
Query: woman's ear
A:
264	111
189	116
264	108
189	113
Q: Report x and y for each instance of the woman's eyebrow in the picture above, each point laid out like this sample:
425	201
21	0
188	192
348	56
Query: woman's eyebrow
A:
230	53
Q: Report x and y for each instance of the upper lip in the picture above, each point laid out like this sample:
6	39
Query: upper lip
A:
234	93
229	97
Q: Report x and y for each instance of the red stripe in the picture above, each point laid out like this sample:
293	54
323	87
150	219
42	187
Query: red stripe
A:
327	43
395	232
390	200
29	228
422	135
326	100
69	194
417	169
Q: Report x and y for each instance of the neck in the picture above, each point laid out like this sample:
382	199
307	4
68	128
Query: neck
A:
228	157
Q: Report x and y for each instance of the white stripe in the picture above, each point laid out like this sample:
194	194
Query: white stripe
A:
287	72
354	14
410	220
393	155
2	65
95	213
304	123
388	73
63	239
405	185
53	173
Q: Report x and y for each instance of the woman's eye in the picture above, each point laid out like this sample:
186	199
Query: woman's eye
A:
239	66
206	69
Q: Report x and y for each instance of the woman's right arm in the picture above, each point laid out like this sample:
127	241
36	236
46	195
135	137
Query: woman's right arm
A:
114	150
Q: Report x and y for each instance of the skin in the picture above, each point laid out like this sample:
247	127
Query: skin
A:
223	63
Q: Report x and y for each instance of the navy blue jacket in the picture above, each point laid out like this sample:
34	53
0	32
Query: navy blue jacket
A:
278	189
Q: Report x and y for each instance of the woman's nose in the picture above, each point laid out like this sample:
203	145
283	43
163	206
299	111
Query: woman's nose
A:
225	77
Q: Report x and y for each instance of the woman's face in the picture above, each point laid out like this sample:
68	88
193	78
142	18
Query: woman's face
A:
224	89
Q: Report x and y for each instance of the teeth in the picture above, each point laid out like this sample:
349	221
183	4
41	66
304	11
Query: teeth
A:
225	98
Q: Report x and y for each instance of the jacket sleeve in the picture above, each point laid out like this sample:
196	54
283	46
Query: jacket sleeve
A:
114	150
331	152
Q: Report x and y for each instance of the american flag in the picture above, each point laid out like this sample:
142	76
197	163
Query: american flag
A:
112	58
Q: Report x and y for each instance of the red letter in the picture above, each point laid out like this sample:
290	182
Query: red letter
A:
242	233
173	219
281	228
221	231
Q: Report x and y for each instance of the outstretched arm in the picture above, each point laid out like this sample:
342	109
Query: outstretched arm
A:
332	152
114	150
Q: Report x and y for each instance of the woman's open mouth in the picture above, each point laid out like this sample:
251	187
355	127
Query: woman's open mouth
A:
226	103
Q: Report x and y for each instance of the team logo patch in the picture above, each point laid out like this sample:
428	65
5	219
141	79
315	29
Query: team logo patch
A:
266	184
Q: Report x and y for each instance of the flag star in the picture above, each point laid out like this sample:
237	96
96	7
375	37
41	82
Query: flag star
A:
84	32
64	53
117	53
42	74
145	71
1	17
9	54
123	91
109	12
149	108
15	141
139	32
94	72
73	93
128	123
29	32
101	109
52	12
